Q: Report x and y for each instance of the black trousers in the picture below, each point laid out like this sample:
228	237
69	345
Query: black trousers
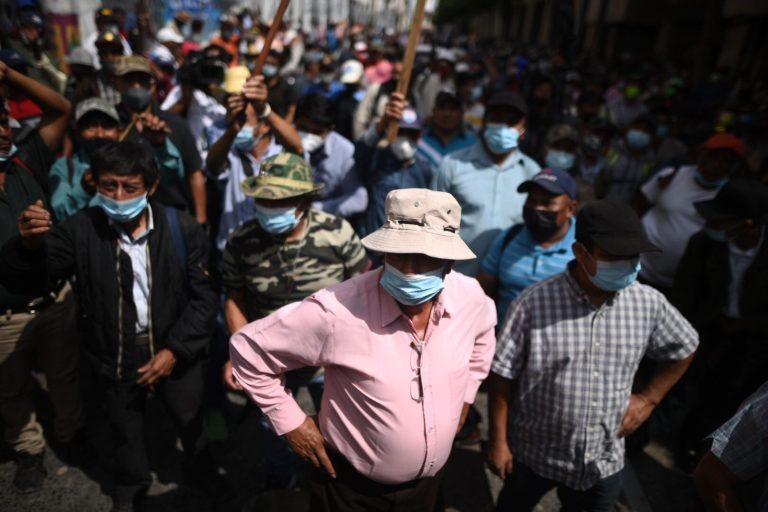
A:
352	492
125	404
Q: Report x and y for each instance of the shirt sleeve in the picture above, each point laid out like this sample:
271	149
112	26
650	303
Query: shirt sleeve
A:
673	337
742	442
61	190
651	189
263	351
483	350
490	263
513	341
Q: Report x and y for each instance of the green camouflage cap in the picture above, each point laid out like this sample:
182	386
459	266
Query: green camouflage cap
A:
280	177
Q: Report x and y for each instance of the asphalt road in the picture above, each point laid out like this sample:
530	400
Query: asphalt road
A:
653	484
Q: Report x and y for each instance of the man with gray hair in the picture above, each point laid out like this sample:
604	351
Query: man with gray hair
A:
404	348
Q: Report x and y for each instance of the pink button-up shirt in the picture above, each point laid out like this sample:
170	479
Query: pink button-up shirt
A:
391	425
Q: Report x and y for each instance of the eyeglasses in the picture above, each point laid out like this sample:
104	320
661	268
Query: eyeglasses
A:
417	387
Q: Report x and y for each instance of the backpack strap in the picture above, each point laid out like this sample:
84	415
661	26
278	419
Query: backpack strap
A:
247	166
172	215
21	164
511	235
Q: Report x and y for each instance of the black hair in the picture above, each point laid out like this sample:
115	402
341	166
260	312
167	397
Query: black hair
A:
315	107
124	158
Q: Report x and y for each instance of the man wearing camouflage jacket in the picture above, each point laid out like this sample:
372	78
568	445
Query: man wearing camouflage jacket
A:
286	253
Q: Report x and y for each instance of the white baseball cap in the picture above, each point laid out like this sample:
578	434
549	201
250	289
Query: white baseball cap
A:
351	72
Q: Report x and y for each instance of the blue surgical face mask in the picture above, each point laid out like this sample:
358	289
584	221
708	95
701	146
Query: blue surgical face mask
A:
560	160
613	276
277	221
413	289
638	139
705	183
501	138
9	155
718	235
269	70
122	211
244	140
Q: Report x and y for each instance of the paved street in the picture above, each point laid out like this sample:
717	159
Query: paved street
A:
468	486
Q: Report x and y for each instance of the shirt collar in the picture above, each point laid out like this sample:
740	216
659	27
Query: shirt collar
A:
390	309
479	155
561	246
126	236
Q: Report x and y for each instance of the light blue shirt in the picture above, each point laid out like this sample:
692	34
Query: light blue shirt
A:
334	165
68	195
487	194
523	262
138	250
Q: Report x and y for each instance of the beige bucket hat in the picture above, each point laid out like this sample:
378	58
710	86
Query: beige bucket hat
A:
420	221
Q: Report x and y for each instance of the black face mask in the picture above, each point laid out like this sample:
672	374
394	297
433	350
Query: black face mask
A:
137	99
92	145
541	224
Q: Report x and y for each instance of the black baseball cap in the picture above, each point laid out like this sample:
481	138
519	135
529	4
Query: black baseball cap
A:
739	198
614	227
552	180
507	99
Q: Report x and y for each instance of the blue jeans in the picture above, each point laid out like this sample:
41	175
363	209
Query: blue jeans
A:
523	489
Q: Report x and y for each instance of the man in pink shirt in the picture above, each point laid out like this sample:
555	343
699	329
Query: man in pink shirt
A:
404	348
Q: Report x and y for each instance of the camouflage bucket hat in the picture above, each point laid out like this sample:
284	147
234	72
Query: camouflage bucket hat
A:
280	177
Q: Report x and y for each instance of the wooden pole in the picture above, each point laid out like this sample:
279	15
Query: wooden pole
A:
276	24
410	56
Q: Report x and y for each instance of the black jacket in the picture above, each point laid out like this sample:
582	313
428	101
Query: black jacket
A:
182	308
702	285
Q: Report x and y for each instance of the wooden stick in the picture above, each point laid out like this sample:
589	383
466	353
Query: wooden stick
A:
410	56
276	24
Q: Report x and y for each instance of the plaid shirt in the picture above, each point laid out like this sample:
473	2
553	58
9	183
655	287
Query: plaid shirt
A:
742	442
574	365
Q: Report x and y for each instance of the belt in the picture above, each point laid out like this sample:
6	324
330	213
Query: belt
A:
141	339
33	307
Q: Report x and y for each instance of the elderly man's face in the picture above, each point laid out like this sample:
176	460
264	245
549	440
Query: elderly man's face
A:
410	264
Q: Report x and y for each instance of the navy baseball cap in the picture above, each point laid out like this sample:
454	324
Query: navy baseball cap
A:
552	180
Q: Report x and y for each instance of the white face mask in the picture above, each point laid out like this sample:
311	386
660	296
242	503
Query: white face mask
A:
403	148
311	142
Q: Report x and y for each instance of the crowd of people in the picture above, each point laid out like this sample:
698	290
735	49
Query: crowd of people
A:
177	223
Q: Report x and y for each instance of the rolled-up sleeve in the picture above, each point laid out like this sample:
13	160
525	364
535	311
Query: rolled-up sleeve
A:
263	351
482	352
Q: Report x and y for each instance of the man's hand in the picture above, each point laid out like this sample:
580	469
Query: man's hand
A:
308	443
229	377
256	92
498	457
152	128
3	70
393	110
157	368
236	111
34	222
639	410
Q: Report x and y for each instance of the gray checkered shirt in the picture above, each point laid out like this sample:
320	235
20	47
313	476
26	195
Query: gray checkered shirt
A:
574	365
742	442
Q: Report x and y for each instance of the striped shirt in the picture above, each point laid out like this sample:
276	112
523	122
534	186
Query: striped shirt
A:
524	262
574	365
